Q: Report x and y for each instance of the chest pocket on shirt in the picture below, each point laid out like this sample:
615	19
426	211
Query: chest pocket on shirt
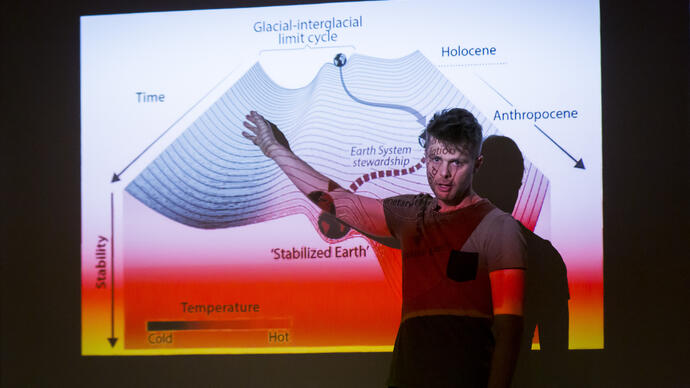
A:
462	266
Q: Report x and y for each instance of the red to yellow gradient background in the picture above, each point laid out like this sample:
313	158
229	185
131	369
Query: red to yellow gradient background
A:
306	305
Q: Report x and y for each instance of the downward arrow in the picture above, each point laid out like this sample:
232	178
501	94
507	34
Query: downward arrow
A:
117	175
578	163
112	339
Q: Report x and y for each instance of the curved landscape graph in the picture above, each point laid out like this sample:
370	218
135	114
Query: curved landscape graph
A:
212	177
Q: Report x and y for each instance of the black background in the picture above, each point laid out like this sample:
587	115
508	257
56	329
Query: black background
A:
644	54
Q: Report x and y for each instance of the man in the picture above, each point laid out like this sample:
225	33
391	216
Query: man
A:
463	259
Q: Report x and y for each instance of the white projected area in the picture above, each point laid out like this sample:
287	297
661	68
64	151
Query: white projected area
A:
179	209
358	119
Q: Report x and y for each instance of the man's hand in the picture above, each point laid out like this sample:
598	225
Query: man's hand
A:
266	135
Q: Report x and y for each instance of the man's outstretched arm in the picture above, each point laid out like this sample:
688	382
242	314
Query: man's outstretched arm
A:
362	213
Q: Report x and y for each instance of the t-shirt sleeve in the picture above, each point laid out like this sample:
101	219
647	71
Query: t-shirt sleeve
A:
505	246
401	213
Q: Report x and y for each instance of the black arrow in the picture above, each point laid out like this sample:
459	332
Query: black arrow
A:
578	163
420	118
112	338
116	175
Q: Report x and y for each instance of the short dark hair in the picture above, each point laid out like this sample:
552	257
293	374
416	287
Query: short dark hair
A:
455	126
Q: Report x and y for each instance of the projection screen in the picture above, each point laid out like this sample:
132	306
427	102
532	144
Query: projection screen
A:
193	242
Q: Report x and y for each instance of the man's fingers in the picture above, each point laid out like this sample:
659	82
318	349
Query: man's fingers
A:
255	118
249	136
260	127
260	124
250	127
252	119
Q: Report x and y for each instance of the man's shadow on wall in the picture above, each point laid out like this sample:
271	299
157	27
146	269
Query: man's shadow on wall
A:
546	290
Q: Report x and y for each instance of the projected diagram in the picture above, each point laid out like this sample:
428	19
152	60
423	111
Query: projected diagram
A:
220	250
193	242
212	178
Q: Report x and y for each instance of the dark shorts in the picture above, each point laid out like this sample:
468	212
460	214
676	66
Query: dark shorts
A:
442	351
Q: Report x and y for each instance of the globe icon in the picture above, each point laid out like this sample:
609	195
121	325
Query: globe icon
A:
340	60
331	227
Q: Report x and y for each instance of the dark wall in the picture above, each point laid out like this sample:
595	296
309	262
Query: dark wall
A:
646	215
646	203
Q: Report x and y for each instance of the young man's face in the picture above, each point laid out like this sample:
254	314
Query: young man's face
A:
449	169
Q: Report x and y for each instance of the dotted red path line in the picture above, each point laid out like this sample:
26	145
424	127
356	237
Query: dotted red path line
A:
384	174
